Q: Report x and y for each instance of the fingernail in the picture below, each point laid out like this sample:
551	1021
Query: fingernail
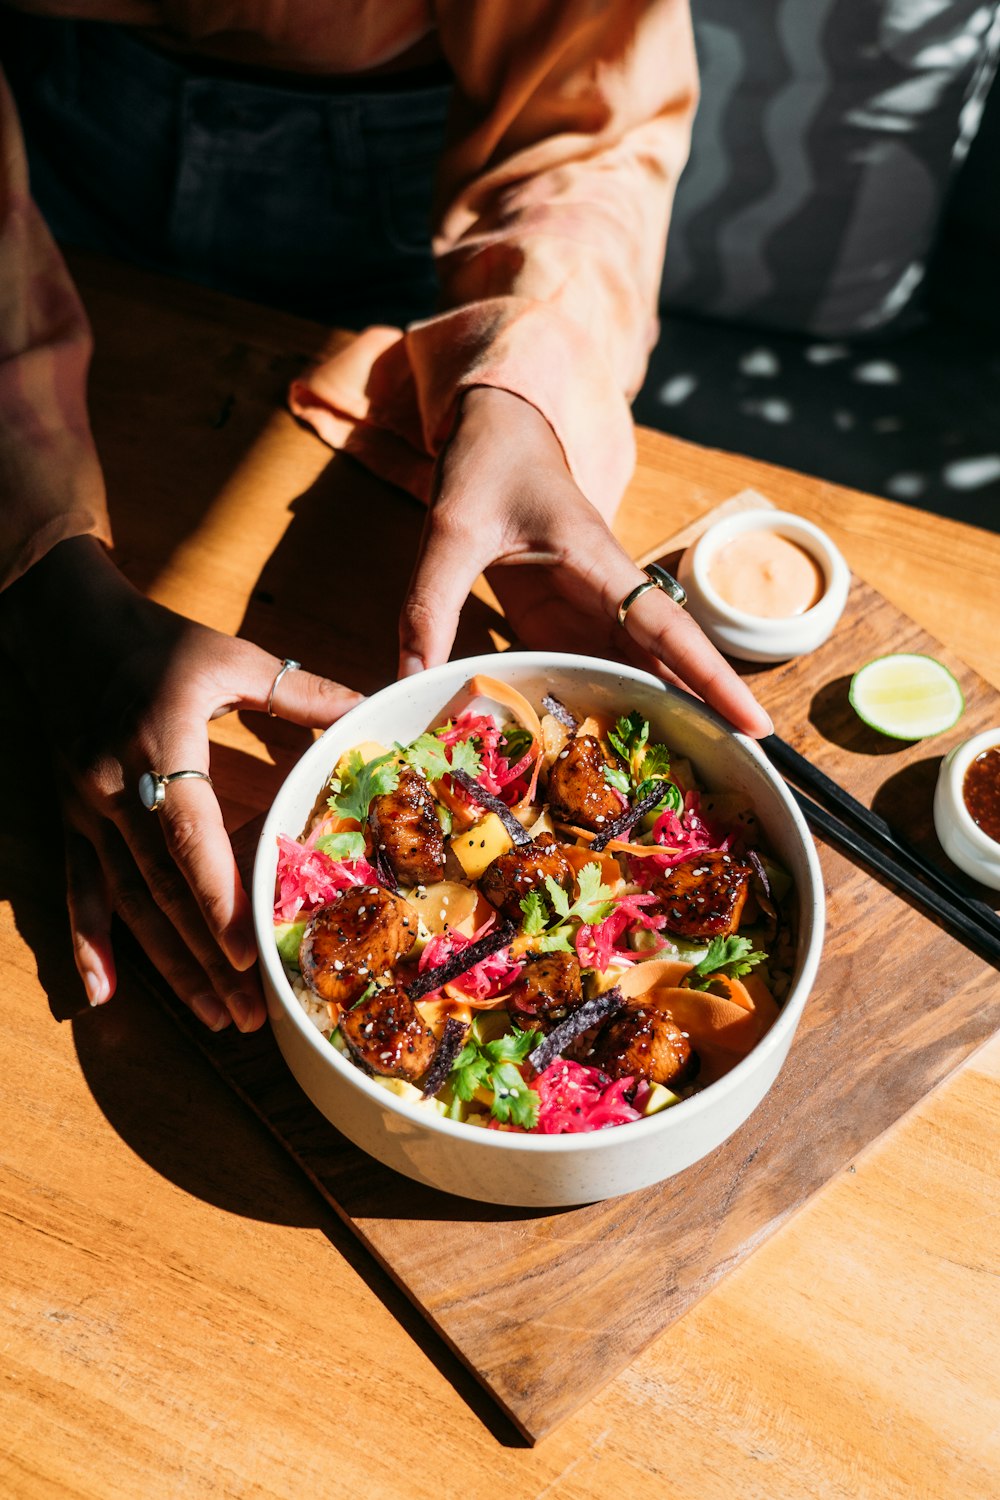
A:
211	1011
243	1008
770	726
410	664
242	952
96	986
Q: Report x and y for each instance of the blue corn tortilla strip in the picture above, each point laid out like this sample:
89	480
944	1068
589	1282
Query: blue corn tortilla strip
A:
561	712
457	964
619	827
451	1043
492	804
589	1014
383	869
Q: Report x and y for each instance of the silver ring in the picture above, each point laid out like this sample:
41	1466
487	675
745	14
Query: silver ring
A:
286	666
153	786
656	578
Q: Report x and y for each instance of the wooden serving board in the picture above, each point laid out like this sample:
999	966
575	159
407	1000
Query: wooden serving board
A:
545	1307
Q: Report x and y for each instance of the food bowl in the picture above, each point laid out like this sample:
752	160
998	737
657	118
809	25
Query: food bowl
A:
965	843
755	637
527	1169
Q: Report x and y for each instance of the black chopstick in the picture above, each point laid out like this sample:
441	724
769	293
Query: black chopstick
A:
969	929
876	830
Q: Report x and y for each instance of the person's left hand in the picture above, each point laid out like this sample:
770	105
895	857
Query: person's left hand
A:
505	504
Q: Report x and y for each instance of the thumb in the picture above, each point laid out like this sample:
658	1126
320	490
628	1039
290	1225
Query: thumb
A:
447	566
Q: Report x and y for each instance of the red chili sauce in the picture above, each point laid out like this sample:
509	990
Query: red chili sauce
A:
981	791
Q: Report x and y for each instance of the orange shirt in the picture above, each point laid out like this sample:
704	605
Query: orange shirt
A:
569	130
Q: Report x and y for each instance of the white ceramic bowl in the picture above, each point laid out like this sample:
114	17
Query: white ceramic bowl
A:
504	1167
752	637
961	838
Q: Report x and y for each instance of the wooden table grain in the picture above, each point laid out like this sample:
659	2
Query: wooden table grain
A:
182	1316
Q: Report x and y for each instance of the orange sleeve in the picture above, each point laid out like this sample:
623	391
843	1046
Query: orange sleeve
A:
50	481
570	127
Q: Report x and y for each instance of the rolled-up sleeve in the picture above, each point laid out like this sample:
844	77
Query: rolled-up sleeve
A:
570	128
50	481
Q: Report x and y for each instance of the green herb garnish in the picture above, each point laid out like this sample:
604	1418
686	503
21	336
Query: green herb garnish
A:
728	957
342	845
362	782
552	931
642	764
493	1066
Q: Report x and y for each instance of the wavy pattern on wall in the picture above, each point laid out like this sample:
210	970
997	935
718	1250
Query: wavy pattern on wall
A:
823	151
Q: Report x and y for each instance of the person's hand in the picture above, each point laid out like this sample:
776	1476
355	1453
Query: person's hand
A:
505	504
126	686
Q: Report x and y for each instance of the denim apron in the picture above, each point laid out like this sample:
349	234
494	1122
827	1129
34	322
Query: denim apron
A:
312	195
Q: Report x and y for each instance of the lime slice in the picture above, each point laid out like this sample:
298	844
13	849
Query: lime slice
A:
906	696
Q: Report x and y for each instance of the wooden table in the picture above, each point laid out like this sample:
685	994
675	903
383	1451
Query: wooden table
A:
182	1314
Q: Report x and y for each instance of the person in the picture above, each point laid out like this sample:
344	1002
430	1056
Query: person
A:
554	131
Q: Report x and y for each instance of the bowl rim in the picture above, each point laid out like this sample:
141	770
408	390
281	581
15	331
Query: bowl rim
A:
490	663
953	770
786	523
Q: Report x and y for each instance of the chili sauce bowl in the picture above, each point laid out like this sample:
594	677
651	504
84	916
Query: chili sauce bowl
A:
503	1167
761	638
960	836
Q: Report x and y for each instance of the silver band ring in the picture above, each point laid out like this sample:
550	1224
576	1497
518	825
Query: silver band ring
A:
153	786
286	666
656	578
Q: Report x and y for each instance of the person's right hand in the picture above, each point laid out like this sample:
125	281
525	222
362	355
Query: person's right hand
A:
127	686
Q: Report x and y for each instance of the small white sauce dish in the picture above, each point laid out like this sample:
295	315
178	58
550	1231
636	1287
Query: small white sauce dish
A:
754	637
961	838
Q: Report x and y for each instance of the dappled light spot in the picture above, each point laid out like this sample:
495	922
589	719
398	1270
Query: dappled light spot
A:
906	486
825	354
877	372
844	420
676	390
773	409
887	424
972	473
760	362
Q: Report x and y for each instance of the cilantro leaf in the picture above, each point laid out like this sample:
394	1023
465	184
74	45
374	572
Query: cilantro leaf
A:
513	1046
552	933
594	901
729	956
342	845
556	941
465	757
426	755
362	782
493	1066
470	1071
535	914
642	764
514	1103
629	736
558	897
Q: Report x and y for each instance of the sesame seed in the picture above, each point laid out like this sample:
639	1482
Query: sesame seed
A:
338	963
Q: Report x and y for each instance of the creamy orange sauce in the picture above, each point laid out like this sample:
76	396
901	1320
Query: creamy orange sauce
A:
765	574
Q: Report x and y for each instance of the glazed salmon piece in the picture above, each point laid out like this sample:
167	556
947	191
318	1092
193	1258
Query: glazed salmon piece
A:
703	896
405	828
577	790
354	939
511	876
548	987
387	1036
643	1041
